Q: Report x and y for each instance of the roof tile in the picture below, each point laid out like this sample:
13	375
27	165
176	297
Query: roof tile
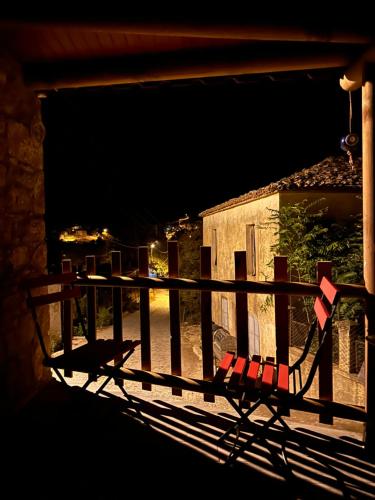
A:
331	174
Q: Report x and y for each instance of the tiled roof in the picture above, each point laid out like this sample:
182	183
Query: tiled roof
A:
331	174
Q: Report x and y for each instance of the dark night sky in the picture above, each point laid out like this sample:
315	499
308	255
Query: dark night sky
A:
152	153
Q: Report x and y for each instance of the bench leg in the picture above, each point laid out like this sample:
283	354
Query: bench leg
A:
117	366
61	378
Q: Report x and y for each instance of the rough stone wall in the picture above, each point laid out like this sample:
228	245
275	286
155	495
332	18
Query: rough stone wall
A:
347	388
22	229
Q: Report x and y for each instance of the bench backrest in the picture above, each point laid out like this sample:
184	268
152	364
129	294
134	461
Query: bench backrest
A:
38	295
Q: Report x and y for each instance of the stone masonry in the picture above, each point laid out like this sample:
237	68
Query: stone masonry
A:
22	229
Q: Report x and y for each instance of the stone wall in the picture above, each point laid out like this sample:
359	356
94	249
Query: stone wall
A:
22	229
347	388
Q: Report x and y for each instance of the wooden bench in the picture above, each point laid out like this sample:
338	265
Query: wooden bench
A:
91	358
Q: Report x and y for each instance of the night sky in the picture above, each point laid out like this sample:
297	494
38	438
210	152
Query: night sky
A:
125	155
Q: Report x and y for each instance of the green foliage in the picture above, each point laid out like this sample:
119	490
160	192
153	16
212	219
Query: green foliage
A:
78	330
104	317
306	235
267	303
159	265
189	241
56	344
130	300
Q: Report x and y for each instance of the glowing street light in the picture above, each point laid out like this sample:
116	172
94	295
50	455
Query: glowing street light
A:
152	246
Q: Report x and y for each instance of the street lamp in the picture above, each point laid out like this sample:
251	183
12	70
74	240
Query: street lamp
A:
152	246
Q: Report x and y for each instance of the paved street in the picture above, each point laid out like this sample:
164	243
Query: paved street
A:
160	338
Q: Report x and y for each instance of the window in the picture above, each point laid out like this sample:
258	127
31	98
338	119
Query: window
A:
214	247
224	313
254	342
251	259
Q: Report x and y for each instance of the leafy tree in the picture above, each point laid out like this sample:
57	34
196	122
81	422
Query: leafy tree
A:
189	237
159	264
306	235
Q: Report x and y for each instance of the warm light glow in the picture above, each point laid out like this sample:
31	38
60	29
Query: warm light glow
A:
76	234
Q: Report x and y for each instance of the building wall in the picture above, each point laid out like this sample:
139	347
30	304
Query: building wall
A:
340	205
22	229
230	228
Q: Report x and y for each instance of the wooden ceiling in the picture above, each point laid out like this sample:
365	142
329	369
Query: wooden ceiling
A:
74	53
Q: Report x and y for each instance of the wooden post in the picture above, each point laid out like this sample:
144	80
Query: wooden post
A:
281	312
206	322
174	314
325	365
67	324
369	254
280	266
117	300
144	308
242	320
91	300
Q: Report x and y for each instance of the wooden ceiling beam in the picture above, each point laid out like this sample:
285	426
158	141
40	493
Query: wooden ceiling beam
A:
219	29
175	66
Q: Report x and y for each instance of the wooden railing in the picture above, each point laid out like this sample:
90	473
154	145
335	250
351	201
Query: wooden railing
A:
280	288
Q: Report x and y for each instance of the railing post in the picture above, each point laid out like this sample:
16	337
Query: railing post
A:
206	322
144	309
281	312
116	300
67	319
91	300
325	365
174	314
242	320
280	266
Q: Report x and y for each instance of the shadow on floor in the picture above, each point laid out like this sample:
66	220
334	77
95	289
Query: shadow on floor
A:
69	443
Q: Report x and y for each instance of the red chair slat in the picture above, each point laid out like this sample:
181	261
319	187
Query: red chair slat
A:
224	366
253	370
268	373
238	371
329	290
283	378
321	312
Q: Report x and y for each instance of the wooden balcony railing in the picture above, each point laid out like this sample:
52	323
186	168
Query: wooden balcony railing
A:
280	289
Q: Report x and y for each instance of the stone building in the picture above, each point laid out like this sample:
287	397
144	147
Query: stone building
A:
22	250
238	224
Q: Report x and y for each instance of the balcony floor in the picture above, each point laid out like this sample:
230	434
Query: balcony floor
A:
69	443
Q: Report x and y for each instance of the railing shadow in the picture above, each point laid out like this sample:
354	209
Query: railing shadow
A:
318	464
76	444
